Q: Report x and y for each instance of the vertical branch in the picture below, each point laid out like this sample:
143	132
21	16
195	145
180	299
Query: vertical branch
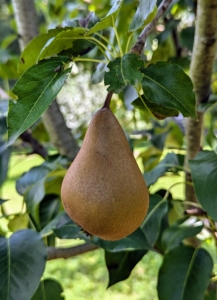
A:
138	47
203	57
60	135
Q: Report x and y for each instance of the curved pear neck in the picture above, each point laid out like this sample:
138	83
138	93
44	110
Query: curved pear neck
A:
108	100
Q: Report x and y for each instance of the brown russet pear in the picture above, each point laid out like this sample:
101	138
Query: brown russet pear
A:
104	191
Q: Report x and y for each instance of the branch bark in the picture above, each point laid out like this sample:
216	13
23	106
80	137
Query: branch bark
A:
138	47
203	57
55	253
60	134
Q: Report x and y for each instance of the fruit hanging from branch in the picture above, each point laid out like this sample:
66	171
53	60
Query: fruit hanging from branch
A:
104	191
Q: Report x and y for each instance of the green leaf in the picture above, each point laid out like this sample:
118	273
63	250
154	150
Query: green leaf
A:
204	175
120	264
167	85
183	228
109	19
8	70
158	111
169	162
123	71
35	90
184	274
63	41
31	185
4	161
211	138
31	53
145	13
98	74
23	258
152	222
60	218
48	209
34	175
81	46
136	240
49	289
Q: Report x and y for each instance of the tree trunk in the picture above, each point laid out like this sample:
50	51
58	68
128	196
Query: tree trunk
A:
203	57
60	134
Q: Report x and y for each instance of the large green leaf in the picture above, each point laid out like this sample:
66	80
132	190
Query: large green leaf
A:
109	19
183	228
120	264
32	185
22	263
31	177
152	222
158	111
60	218
4	160
167	85
123	71
35	90
81	46
31	53
169	162
63	41
49	289
204	175
136	240
145	13
48	209
184	274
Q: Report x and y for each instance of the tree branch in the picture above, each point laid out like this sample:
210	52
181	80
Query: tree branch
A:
36	146
138	47
203	56
60	134
55	253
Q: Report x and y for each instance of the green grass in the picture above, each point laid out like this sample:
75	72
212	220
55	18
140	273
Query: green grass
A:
86	276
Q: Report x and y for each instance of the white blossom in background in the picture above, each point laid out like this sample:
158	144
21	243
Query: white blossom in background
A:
79	99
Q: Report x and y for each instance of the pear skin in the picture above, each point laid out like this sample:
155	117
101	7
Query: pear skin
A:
104	191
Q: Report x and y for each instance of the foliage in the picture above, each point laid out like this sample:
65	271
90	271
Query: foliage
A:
153	92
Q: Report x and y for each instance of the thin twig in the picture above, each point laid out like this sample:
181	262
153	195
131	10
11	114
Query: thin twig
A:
138	47
108	100
55	253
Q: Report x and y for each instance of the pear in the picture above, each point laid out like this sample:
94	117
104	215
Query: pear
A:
104	191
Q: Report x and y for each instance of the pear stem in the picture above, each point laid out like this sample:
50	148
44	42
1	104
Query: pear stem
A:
108	100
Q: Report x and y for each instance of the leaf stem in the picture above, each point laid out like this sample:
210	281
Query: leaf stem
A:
108	42
128	42
90	60
117	36
107	100
103	46
100	45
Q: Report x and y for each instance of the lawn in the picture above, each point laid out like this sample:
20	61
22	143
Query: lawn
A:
86	276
